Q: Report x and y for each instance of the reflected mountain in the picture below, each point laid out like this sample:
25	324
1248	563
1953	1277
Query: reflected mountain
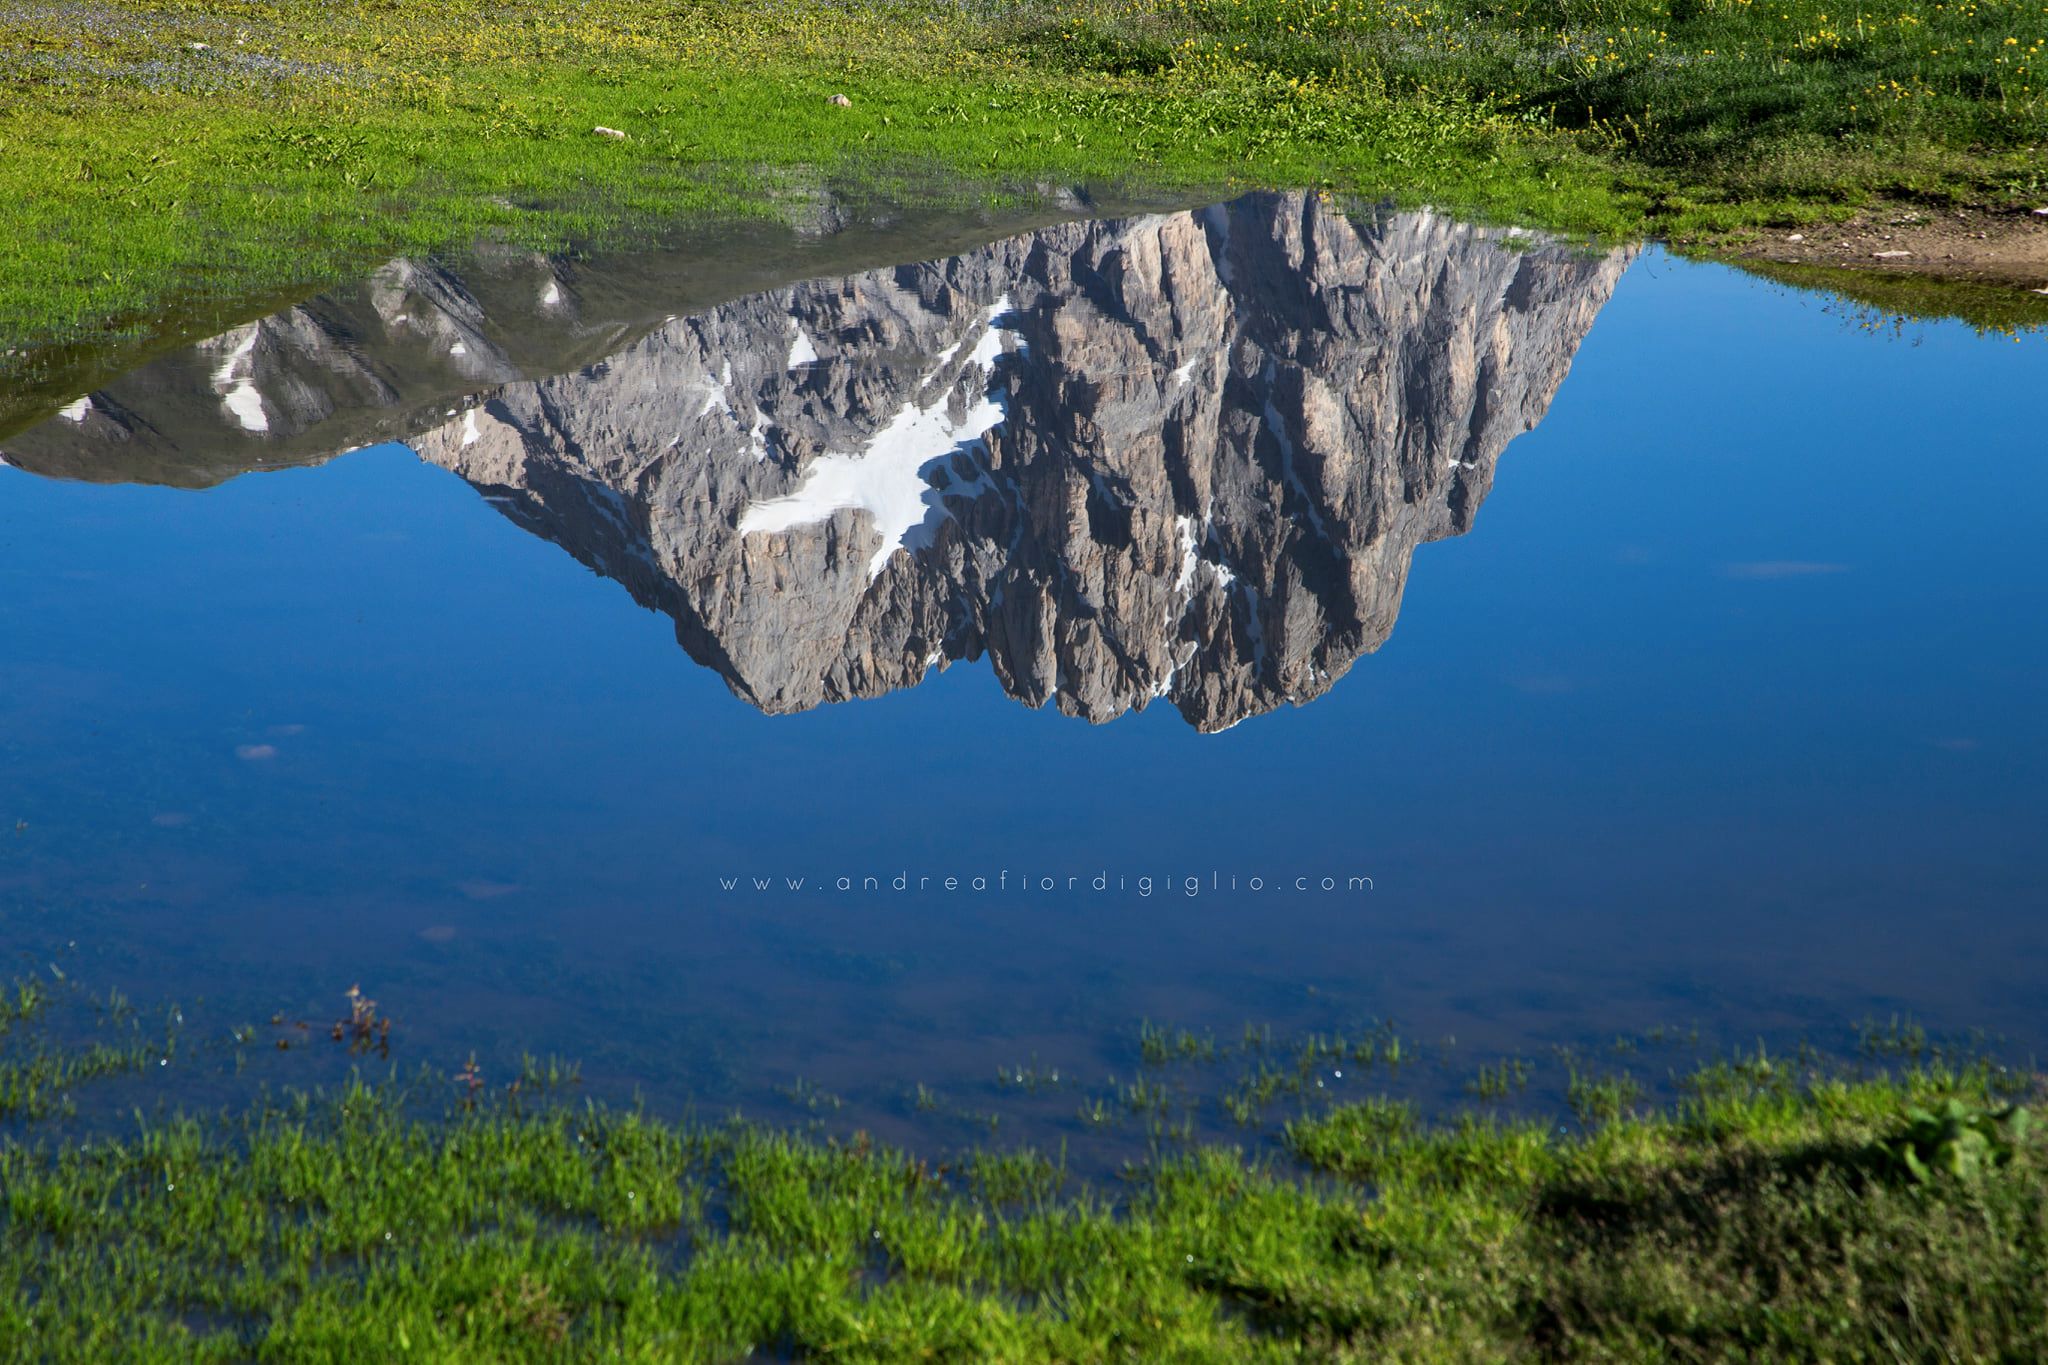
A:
1182	457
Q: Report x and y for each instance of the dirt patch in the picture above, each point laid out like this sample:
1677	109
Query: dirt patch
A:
2006	247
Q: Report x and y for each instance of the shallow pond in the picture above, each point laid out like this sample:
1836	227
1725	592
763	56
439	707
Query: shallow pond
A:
1039	669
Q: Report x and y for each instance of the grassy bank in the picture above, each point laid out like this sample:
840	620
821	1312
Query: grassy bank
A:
185	159
1772	1211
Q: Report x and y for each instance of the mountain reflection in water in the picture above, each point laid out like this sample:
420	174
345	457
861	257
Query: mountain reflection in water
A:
1182	457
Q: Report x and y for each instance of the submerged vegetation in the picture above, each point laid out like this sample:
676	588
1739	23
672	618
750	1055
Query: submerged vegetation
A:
1774	1210
172	164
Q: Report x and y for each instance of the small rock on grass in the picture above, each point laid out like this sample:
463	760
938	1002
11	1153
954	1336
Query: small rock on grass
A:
603	131
840	102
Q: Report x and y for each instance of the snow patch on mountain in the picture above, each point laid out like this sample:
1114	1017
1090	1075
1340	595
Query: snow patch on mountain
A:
886	477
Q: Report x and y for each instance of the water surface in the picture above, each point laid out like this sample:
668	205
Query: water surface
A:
1165	551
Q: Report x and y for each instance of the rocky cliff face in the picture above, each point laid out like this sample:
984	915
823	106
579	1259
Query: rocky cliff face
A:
372	363
388	356
1182	457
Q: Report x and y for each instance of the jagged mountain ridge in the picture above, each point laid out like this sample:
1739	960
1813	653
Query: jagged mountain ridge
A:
1218	438
386	357
1183	456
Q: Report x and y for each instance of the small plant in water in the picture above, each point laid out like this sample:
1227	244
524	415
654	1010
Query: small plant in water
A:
1500	1081
364	1028
538	1074
1032	1078
28	999
807	1094
1896	1038
1158	1047
1597	1100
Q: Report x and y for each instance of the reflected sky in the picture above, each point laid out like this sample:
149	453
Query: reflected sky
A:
1726	710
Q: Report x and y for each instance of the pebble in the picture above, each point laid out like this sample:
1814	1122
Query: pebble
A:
1796	237
840	101
603	131
1890	255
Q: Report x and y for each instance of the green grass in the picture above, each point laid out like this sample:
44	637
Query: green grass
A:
1775	1211
165	168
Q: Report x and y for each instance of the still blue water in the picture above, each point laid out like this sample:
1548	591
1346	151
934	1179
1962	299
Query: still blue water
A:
1726	712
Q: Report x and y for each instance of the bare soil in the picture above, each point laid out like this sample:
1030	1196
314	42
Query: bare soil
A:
2006	247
